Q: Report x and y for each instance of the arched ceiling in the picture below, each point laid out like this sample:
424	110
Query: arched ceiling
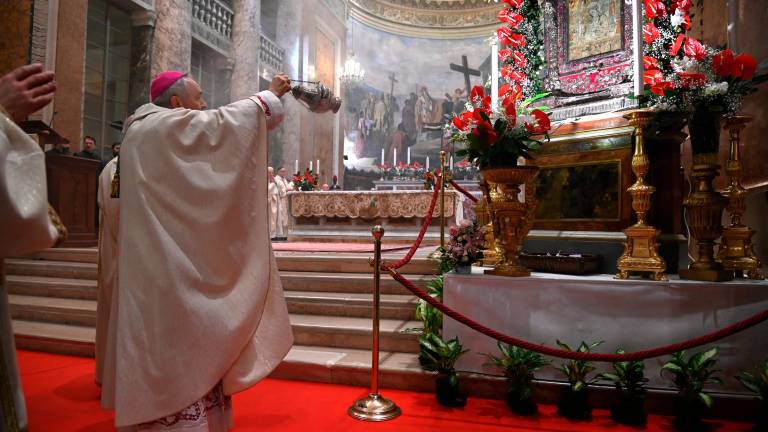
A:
442	19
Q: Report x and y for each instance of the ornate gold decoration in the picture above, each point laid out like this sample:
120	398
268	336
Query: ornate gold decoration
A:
61	230
736	253
703	213
444	178
511	218
641	249
445	19
367	204
491	253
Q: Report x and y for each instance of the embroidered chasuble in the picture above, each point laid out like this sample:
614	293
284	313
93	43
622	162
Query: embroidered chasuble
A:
198	300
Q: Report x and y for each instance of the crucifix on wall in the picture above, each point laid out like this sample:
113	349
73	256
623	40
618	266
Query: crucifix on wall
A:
392	81
466	71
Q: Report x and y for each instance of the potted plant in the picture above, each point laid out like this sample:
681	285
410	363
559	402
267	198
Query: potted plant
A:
574	401
465	245
629	379
440	356
431	318
519	366
758	384
690	376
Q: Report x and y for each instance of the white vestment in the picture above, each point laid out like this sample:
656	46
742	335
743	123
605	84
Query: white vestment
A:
273	195
282	206
24	227
109	216
199	299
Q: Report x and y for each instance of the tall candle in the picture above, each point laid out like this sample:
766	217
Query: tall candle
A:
427	163
637	46
310	165
394	156
494	75
318	166
408	161
296	166
451	165
382	155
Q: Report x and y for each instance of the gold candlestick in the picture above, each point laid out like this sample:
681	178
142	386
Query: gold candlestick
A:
736	253
641	249
438	253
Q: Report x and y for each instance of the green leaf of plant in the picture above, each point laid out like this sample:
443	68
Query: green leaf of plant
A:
707	399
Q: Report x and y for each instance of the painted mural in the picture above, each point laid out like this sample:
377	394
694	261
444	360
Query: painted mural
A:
409	92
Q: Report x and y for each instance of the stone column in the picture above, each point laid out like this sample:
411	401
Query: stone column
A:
70	71
246	42
172	44
290	24
141	57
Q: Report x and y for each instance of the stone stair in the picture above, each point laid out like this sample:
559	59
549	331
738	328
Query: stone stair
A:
52	296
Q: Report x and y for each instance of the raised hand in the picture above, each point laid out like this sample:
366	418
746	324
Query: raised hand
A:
26	90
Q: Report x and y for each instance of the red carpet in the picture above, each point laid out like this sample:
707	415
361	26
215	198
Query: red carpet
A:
331	247
61	397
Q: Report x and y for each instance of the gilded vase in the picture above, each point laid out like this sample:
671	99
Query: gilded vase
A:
510	217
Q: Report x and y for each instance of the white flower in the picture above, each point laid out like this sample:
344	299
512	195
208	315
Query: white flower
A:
469	107
678	18
716	89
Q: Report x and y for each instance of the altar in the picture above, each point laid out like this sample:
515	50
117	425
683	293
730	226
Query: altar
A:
631	314
350	215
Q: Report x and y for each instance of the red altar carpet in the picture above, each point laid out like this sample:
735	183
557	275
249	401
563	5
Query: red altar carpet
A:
332	247
62	397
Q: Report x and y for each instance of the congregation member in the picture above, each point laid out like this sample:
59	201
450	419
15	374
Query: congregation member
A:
89	149
59	149
198	309
27	223
115	149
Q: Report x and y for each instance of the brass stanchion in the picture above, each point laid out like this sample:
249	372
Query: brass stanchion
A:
438	253
375	407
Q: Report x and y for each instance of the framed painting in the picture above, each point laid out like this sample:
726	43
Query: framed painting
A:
587	44
582	184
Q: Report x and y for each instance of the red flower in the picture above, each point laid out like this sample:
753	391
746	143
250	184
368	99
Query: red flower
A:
460	123
694	48
744	66
722	63
653	76
660	87
485	132
686	21
517	40
542	122
514	3
505	54
517	76
520	59
510	17
675	47
650	33
504	89
690	79
654	8
650	63
504	34
477	94
685	5
506	71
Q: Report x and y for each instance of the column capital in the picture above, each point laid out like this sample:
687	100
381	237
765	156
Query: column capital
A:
144	17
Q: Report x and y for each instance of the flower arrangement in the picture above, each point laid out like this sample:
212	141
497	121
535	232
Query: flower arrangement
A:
386	170
306	181
429	180
498	139
465	245
521	32
465	169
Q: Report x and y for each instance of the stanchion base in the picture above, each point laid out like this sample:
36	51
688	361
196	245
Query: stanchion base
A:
374	408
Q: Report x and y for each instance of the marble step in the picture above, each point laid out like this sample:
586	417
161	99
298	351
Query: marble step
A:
53	310
55	338
51	269
347	282
85	255
84	289
353	332
349	263
392	306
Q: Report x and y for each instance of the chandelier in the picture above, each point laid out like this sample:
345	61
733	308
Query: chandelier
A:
352	72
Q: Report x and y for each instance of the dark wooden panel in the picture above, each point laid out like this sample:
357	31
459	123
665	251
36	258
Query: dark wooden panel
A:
72	188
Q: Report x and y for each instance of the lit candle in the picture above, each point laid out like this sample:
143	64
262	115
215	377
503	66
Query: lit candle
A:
317	165
427	163
382	155
394	156
494	75
296	166
408	160
637	45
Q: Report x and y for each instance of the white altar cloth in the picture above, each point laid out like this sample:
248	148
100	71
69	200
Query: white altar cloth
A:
633	314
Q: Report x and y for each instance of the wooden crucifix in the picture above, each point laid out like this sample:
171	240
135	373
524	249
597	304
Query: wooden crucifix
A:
465	69
392	81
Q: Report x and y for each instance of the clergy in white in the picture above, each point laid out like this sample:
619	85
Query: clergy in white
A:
25	221
283	186
109	213
199	303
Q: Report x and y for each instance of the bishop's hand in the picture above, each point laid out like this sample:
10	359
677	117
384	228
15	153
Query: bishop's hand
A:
25	90
280	85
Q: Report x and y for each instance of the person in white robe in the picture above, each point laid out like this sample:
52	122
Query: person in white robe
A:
273	194
283	187
109	213
27	224
199	307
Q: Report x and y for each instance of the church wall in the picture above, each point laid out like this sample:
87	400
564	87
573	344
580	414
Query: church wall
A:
15	43
70	71
172	48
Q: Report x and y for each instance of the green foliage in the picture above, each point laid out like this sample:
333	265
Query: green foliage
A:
438	355
629	377
757	383
690	376
519	366
576	371
426	313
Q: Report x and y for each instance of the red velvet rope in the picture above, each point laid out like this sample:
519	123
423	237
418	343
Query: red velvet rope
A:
574	355
462	190
427	220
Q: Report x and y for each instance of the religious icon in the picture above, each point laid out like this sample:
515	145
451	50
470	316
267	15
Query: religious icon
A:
594	27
